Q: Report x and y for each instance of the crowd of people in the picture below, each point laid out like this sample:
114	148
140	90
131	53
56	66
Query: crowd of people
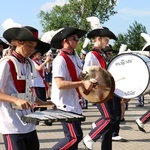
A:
29	81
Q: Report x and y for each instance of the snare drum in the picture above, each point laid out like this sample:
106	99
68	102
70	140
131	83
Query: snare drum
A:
131	73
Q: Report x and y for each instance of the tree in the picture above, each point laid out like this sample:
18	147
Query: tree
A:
132	38
75	13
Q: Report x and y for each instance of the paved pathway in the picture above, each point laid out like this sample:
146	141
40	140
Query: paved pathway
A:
49	135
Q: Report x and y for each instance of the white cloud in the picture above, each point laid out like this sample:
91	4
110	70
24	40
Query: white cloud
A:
9	23
134	12
50	5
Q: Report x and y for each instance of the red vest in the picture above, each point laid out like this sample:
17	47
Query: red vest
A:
19	84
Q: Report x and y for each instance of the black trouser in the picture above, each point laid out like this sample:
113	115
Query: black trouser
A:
41	94
145	117
27	141
117	113
73	135
104	125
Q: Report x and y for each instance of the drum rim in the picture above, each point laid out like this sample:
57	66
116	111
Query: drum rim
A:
124	54
137	55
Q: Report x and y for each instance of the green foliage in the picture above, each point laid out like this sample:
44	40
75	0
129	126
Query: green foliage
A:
75	13
132	38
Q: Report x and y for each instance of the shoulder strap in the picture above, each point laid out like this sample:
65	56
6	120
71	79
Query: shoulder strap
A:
100	59
71	69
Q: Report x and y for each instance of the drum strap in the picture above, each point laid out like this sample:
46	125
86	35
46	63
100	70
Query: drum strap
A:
71	69
100	59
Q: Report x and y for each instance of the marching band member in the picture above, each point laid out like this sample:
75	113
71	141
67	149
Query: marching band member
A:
66	70
108	50
103	126
118	103
39	83
17	134
146	116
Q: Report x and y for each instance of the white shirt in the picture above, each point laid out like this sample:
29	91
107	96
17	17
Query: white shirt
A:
9	121
67	97
38	81
91	60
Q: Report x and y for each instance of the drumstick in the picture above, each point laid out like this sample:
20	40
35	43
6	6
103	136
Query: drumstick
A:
51	106
48	106
119	79
39	106
17	107
87	92
103	87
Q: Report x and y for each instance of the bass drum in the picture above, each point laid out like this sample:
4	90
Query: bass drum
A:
131	73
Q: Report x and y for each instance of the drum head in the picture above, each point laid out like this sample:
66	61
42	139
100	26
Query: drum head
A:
131	74
104	88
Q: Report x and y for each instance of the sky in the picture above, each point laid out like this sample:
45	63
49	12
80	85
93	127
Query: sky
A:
26	12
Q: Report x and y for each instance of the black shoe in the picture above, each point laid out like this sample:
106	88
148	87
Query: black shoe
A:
84	107
93	104
48	123
122	120
140	105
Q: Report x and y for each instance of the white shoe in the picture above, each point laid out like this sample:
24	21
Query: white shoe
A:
140	125
88	142
93	125
116	138
119	139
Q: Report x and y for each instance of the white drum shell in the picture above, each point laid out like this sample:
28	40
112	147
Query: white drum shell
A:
131	73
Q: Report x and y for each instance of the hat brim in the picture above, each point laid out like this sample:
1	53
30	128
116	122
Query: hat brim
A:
23	34
43	47
108	33
147	48
102	33
57	39
35	51
110	50
94	33
4	44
